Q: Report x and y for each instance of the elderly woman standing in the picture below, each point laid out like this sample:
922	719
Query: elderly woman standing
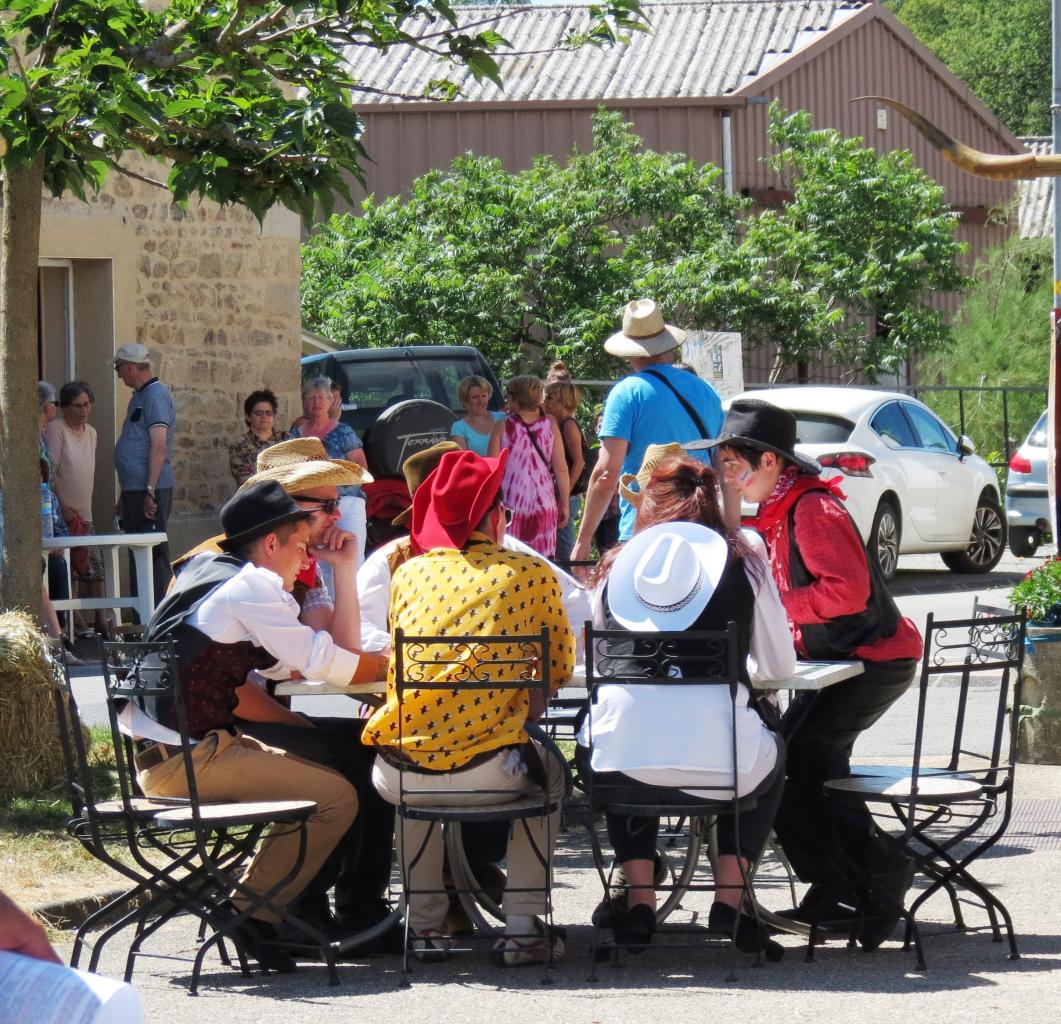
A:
259	413
472	431
71	443
340	442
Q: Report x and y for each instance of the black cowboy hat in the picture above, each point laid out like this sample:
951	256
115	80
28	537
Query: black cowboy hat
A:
758	424
256	511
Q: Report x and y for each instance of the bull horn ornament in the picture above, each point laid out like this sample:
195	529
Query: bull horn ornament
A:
983	165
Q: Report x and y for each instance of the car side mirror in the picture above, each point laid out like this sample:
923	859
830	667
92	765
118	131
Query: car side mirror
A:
965	445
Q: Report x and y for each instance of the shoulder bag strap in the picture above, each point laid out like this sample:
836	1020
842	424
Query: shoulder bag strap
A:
534	441
685	404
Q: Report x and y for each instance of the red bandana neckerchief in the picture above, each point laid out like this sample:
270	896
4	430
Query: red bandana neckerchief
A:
790	487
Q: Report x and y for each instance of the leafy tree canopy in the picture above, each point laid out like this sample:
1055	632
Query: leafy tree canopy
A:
1001	49
534	265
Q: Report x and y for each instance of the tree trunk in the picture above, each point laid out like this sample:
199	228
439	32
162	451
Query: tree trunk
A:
20	582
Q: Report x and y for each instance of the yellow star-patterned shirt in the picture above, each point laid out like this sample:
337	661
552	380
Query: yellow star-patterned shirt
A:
482	591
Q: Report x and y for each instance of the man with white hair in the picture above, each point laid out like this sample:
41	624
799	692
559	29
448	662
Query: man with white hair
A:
143	456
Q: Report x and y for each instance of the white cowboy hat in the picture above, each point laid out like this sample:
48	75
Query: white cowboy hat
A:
644	333
665	575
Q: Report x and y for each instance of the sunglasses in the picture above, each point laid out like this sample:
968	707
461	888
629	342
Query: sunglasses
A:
325	505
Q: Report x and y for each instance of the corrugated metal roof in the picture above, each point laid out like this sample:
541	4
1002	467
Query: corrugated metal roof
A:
1035	198
705	48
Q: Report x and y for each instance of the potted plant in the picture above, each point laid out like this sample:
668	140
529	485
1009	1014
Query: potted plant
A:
1039	594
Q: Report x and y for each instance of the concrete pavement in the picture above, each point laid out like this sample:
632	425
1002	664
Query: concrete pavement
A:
968	975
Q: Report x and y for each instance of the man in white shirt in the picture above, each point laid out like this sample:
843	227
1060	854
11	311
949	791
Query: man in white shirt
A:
232	613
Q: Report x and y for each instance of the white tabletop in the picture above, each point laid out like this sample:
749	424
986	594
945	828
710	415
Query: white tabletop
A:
809	675
129	540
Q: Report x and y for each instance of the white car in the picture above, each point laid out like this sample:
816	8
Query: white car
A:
911	484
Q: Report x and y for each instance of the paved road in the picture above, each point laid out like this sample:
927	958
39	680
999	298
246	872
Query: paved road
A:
968	977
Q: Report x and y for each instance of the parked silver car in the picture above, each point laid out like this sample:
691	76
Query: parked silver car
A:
1027	493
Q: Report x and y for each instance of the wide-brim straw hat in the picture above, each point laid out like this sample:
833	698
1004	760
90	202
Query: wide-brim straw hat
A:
664	576
757	424
417	468
654	455
644	333
302	464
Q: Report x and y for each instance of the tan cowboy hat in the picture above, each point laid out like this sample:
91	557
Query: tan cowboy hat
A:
302	464
417	468
654	455
644	333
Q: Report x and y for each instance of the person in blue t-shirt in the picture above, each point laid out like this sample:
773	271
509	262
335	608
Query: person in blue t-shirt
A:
656	404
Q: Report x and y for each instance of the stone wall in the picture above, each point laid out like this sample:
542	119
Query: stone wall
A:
213	295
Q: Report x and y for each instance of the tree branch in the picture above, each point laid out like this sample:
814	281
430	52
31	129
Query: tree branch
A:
114	165
264	23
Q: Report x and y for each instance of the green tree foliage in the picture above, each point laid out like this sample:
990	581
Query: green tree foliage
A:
1001	337
849	265
242	101
528	266
999	48
535	265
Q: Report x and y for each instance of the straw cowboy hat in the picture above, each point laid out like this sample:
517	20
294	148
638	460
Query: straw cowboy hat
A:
664	576
417	468
302	464
449	504
654	455
644	333
759	424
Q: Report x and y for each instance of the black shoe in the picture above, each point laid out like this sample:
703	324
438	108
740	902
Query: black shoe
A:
261	941
608	911
634	929
748	935
366	916
883	904
316	914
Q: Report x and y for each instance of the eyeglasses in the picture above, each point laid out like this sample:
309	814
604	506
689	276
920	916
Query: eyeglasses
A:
325	505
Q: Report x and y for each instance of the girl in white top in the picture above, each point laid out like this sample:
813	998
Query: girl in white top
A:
684	570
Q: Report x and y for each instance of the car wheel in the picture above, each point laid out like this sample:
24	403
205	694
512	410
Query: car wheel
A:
986	543
1024	541
884	539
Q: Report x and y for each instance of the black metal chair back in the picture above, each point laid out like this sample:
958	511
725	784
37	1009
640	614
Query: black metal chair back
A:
690	658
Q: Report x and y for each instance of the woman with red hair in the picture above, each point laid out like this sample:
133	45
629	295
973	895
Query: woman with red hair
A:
684	569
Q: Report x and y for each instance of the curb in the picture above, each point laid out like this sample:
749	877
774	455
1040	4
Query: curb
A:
71	913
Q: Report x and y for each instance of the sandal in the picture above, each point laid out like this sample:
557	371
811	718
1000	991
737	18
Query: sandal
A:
544	948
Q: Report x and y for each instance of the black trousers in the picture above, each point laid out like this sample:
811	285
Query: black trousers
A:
634	838
134	521
360	866
818	834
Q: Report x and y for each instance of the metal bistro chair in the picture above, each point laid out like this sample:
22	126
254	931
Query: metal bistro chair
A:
120	833
945	818
476	666
625	658
207	843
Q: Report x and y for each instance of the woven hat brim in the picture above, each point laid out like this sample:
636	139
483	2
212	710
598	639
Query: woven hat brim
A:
625	347
297	476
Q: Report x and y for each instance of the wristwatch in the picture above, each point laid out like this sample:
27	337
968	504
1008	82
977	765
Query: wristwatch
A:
151	490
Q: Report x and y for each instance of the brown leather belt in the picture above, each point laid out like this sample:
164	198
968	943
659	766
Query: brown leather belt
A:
153	755
397	758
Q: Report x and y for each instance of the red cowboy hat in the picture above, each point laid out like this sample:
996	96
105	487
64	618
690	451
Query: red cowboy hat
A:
453	499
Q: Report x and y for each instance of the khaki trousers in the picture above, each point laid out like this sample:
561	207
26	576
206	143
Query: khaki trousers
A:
528	878
234	767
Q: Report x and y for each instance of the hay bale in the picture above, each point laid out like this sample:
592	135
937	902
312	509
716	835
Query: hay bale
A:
32	757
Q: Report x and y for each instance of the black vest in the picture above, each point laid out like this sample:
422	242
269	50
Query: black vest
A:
837	639
210	672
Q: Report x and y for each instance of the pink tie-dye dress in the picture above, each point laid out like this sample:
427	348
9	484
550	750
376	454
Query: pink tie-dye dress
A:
528	484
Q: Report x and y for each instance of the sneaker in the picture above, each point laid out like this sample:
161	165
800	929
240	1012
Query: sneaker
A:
429	946
520	951
608	911
261	941
748	935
